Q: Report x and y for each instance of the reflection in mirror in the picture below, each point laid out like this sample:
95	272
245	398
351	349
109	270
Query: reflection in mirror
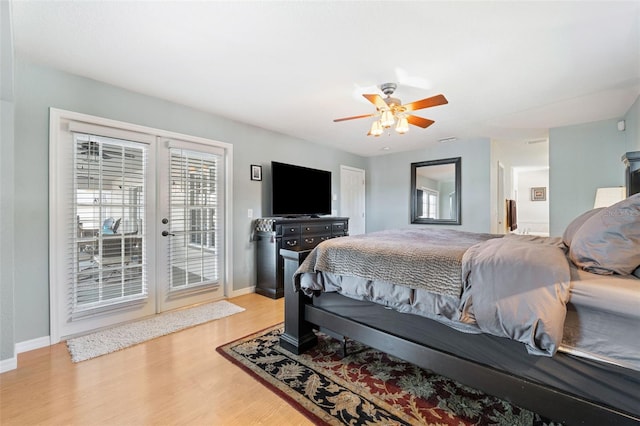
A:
435	191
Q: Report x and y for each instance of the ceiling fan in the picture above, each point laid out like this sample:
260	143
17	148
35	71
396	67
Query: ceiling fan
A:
391	111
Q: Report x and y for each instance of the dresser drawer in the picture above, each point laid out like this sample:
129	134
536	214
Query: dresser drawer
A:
318	228
290	230
338	228
291	243
310	241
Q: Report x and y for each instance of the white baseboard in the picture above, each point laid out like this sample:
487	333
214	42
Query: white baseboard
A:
32	344
20	347
8	364
242	292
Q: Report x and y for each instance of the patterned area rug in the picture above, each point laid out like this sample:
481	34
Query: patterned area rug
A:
367	387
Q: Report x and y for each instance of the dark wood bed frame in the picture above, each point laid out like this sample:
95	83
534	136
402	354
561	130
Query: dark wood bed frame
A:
302	317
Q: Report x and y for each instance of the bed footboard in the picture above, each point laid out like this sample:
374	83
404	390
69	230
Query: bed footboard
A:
298	335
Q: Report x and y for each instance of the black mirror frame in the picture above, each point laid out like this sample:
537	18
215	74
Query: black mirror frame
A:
457	161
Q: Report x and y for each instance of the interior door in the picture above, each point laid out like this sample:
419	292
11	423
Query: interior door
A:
352	198
190	215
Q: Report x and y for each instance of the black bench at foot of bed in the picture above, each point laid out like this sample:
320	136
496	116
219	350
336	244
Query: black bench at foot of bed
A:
563	387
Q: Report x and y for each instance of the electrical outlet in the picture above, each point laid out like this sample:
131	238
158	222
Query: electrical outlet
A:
250	213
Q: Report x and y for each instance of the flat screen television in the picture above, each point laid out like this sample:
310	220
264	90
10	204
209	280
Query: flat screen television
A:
299	191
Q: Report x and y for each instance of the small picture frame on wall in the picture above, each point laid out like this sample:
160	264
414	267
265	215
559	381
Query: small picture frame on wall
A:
539	193
256	172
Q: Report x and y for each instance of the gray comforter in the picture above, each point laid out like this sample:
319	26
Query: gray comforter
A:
518	287
398	256
515	287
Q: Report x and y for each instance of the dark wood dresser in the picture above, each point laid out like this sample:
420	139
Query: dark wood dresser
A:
298	234
632	177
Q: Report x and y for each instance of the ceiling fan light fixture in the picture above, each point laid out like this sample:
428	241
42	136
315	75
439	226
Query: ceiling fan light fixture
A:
391	111
376	128
387	119
403	125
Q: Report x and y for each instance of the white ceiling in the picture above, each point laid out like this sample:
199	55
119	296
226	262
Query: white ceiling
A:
510	70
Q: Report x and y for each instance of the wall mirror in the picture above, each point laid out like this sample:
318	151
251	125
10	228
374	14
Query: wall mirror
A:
435	191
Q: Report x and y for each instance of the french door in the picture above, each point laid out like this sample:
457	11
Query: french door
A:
190	208
109	264
137	228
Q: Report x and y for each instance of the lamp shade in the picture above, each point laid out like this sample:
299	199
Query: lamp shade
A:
403	125
387	119
606	197
376	128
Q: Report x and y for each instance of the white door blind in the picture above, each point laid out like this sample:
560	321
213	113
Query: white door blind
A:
194	220
107	233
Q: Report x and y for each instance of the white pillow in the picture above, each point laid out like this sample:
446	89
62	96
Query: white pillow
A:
609	241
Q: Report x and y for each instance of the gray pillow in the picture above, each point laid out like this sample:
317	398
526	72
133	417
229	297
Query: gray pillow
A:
637	272
609	241
576	223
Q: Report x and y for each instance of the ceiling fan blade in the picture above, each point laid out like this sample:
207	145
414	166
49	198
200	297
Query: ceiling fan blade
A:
376	100
419	121
353	118
426	103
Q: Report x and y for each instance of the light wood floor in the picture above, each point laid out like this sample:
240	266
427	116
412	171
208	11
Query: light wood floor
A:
177	379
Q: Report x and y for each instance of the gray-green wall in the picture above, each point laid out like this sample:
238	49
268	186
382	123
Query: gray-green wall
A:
632	127
389	181
38	88
582	158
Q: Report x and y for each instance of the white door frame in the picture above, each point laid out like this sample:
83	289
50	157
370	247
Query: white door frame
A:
501	197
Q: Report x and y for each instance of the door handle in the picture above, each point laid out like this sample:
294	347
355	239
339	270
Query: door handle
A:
167	233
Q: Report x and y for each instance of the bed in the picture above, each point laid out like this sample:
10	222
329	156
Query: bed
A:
550	324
